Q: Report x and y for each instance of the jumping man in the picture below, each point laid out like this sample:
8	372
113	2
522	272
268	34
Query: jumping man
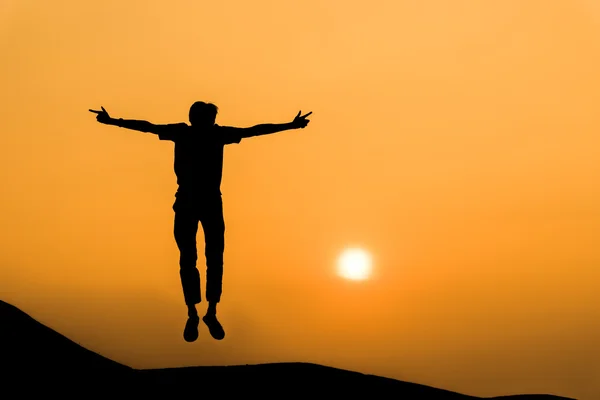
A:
198	166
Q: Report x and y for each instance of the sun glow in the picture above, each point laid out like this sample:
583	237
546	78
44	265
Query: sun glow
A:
354	264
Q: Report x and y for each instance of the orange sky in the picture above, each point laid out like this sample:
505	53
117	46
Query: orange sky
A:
457	143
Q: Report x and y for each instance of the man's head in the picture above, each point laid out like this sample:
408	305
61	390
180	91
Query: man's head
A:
203	114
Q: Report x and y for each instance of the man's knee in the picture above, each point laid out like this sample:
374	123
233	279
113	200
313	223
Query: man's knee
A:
215	245
188	260
215	239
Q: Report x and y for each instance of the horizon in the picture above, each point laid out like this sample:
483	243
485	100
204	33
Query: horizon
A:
455	144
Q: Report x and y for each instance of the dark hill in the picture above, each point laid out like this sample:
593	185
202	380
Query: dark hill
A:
35	359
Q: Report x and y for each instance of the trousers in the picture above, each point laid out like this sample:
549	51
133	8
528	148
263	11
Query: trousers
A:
189	213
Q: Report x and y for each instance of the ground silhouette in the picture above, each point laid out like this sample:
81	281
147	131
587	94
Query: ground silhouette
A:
36	360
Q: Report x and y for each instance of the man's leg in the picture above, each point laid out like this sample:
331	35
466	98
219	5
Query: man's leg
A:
185	230
213	224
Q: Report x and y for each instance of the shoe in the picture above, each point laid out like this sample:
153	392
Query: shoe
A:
190	333
214	327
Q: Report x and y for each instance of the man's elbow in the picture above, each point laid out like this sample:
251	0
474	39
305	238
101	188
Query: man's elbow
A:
149	127
249	132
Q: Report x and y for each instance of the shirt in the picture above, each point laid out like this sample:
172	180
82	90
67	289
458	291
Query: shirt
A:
198	158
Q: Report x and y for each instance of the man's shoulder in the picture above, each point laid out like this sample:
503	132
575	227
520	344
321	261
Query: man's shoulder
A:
172	132
175	127
224	127
229	134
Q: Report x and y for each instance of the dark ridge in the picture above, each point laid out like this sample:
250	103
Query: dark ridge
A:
35	359
30	345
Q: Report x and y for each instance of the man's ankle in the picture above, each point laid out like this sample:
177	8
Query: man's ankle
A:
212	309
192	312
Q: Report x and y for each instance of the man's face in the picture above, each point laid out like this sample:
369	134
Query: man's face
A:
201	120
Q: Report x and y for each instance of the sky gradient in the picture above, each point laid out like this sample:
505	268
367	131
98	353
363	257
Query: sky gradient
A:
456	141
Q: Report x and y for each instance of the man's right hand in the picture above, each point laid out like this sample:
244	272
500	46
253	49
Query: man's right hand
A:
300	121
102	116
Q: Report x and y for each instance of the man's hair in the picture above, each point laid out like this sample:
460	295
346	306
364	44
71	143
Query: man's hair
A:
201	111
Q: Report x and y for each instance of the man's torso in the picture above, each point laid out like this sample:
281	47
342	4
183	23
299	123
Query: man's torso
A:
198	159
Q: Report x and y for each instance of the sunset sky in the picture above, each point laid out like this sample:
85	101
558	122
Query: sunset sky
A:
455	141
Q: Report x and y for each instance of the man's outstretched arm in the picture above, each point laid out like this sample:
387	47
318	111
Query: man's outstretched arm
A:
265	129
136	125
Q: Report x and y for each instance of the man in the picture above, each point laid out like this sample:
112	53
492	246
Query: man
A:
198	166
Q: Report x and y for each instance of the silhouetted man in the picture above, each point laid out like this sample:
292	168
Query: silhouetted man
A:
198	167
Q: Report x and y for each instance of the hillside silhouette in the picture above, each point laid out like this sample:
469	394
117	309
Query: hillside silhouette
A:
35	359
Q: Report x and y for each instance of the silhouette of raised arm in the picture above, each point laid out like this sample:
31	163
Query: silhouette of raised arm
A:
299	121
136	125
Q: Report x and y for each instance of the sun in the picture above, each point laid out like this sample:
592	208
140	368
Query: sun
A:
354	264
